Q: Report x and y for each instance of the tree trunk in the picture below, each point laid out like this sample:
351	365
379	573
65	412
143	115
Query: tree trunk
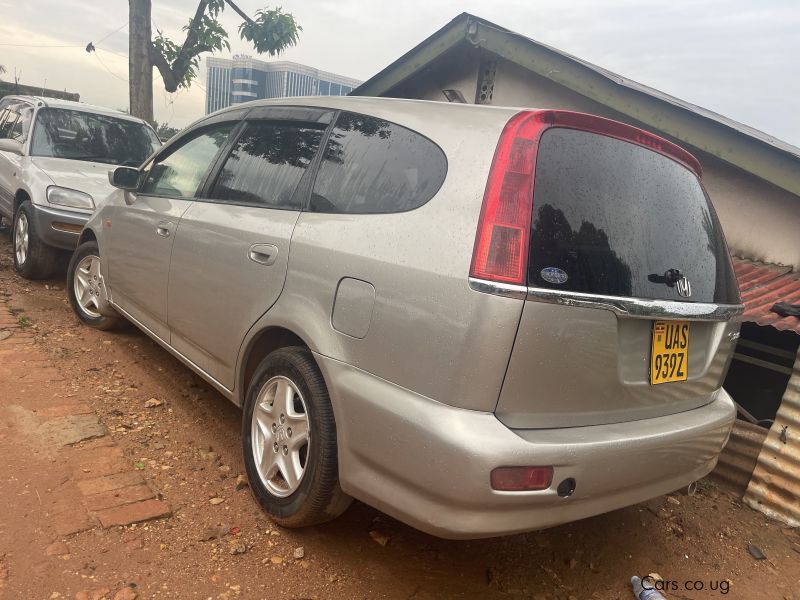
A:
140	68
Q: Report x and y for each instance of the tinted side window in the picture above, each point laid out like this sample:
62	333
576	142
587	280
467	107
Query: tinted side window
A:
179	173
266	164
611	217
374	166
20	129
7	120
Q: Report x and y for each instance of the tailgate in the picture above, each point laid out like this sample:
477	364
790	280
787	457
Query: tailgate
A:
631	302
573	366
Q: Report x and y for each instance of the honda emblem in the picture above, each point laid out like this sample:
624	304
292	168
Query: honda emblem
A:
684	287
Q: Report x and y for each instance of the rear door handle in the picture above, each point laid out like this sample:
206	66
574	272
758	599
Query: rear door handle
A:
164	228
263	254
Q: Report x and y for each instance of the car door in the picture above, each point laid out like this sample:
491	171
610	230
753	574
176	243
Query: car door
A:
143	231
231	251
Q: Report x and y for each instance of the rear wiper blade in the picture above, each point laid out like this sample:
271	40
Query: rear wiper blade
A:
669	278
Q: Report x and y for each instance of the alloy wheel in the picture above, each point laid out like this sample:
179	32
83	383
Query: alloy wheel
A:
88	285
280	436
22	238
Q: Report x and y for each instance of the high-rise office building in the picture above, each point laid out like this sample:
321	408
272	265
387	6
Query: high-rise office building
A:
241	79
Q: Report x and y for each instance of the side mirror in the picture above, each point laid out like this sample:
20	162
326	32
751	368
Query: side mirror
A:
124	178
9	145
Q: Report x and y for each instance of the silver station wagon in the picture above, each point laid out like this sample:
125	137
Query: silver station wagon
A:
478	320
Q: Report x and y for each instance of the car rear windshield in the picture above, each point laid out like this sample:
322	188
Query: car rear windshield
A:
80	135
611	217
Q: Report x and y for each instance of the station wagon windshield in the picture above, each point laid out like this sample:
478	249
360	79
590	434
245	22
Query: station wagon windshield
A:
79	135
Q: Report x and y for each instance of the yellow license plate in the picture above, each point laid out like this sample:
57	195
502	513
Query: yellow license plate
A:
669	357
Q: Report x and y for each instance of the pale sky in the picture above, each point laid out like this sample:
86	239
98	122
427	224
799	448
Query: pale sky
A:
739	58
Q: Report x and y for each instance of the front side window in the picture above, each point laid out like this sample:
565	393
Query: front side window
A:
20	129
8	118
611	217
266	164
180	173
80	135
374	166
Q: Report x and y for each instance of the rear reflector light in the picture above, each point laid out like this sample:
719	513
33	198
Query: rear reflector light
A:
521	479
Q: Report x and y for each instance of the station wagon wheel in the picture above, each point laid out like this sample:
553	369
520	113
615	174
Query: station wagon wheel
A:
86	289
86	283
280	439
289	441
33	259
21	238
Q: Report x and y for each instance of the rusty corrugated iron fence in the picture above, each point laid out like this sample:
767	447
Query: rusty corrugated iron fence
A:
739	458
775	484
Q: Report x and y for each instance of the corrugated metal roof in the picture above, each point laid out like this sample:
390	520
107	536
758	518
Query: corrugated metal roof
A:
762	285
775	485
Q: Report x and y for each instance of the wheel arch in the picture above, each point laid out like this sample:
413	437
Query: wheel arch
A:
267	340
19	198
87	235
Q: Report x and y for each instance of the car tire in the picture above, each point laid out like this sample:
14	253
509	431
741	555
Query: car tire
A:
288	390
33	259
83	277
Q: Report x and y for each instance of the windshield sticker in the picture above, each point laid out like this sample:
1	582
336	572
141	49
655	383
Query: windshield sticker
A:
553	275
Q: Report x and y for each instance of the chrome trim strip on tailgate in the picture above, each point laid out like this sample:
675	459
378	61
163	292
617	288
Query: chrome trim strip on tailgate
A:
634	308
639	308
499	289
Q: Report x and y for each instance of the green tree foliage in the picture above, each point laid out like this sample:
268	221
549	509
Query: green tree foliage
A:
164	131
271	32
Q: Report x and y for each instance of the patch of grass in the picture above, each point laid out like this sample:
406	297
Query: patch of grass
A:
23	321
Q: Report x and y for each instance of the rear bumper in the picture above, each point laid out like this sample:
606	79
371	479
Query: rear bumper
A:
428	464
59	228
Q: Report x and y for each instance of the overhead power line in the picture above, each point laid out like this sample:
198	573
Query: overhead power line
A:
125	56
125	24
39	46
100	60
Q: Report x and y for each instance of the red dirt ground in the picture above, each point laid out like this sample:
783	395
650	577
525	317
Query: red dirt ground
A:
188	451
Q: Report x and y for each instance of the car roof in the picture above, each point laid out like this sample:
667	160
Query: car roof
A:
79	106
381	106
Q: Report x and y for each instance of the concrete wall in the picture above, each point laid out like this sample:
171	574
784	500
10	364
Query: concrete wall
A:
517	86
12	89
457	70
761	221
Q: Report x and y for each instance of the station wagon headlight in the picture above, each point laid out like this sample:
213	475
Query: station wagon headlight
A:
67	197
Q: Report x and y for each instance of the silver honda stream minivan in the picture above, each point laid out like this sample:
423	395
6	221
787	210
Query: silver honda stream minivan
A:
478	320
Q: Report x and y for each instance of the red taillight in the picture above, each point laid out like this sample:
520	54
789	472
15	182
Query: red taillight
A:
501	244
521	479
